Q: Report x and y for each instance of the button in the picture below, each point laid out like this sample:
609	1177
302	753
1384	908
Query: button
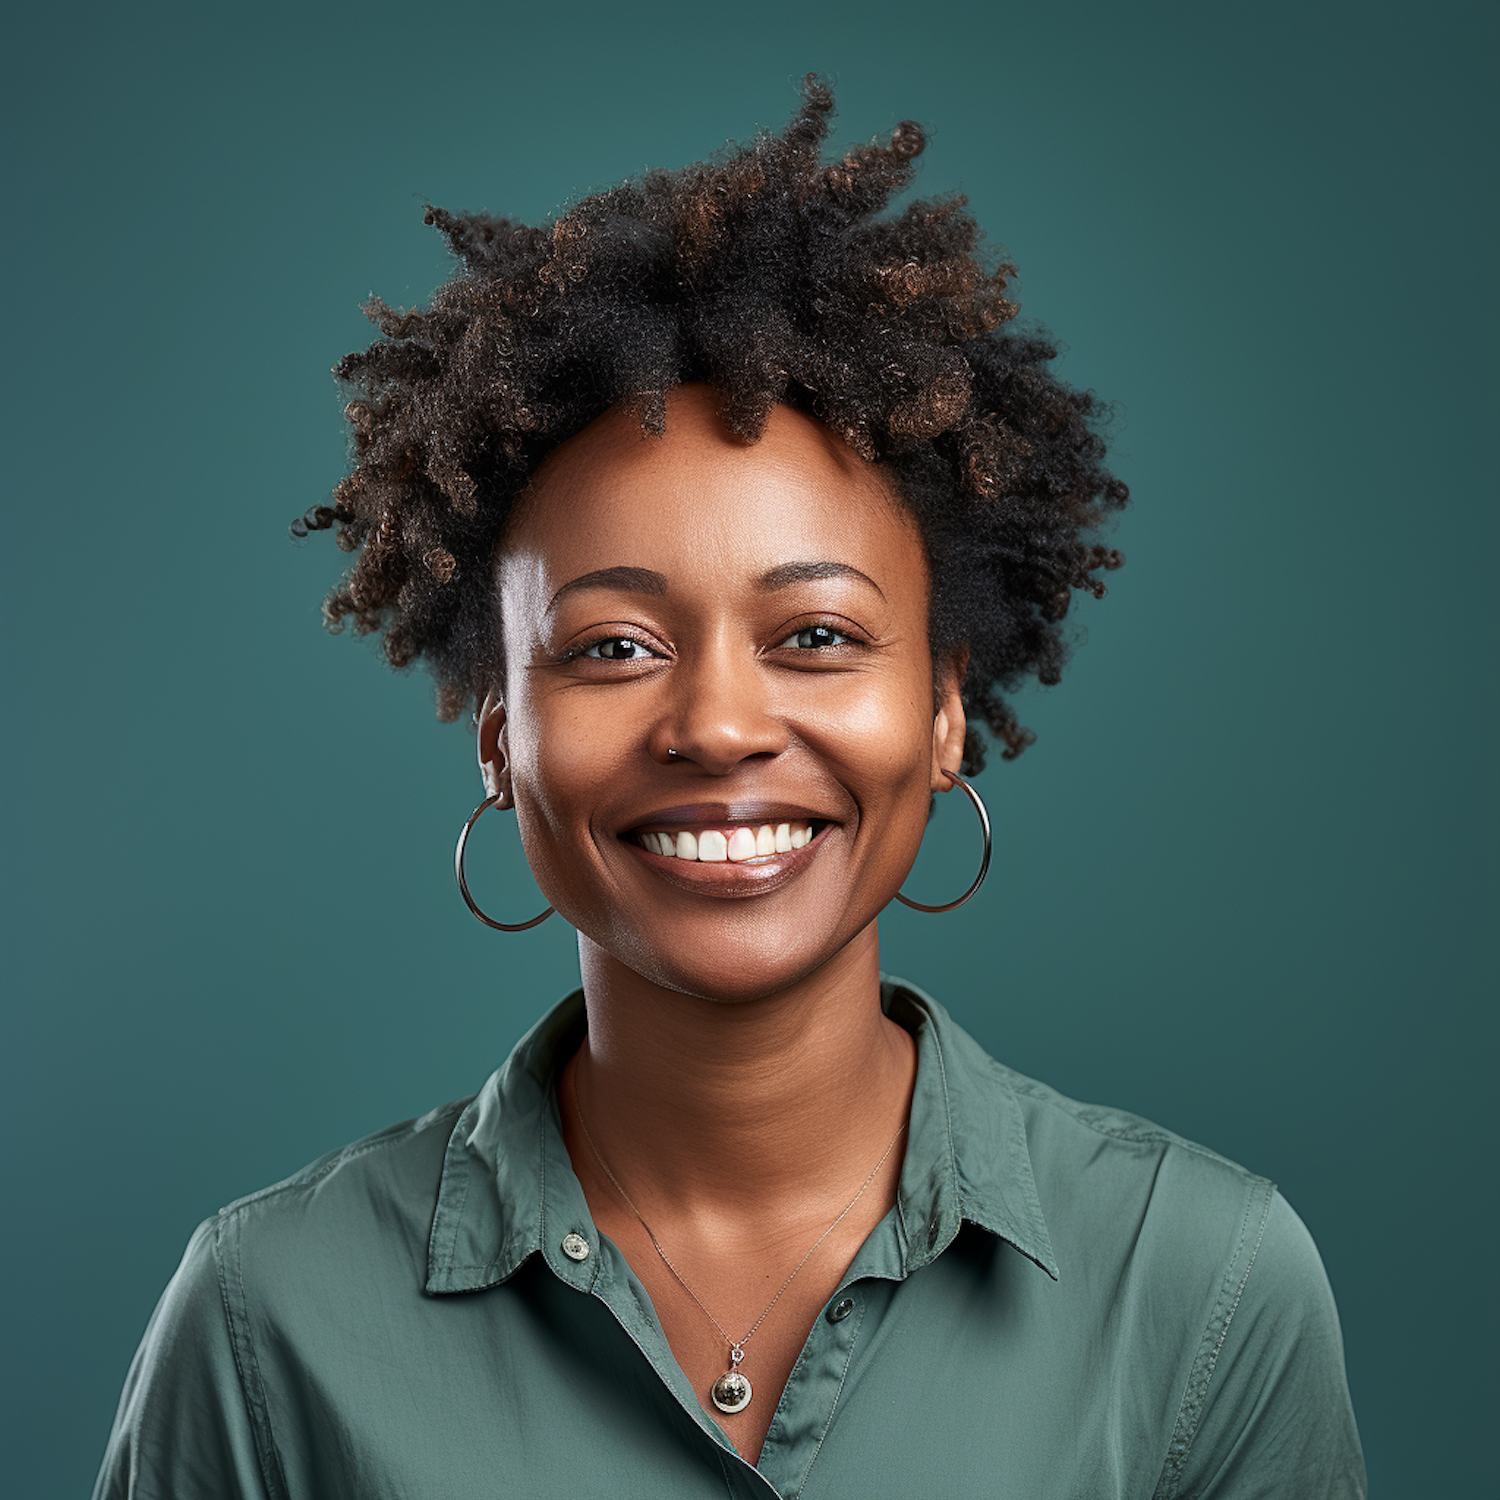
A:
575	1247
841	1309
932	1233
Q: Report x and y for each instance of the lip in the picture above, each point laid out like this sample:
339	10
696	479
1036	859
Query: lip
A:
727	879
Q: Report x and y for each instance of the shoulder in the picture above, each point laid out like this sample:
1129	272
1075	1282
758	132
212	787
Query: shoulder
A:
1190	1202
194	1403
392	1157
1118	1193
1224	1274
1073	1125
1204	1203
363	1207
1164	1220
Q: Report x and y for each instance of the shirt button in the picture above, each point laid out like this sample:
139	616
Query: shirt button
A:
575	1247
932	1233
841	1309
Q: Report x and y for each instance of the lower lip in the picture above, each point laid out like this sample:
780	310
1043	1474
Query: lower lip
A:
729	878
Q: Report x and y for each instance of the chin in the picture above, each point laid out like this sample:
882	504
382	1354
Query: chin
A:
730	968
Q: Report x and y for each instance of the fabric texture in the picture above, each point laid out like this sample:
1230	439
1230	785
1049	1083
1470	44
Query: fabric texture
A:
1065	1301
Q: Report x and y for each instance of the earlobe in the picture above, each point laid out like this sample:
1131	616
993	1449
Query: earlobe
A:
494	758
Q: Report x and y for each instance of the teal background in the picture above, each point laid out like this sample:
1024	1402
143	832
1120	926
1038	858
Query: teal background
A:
1242	877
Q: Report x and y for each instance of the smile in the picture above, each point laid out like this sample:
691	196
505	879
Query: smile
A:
733	844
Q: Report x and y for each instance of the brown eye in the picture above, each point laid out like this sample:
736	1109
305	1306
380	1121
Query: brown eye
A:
815	637
616	648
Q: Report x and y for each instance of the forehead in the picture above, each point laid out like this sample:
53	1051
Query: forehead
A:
704	507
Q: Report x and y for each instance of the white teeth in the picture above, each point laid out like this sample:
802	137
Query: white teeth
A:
715	847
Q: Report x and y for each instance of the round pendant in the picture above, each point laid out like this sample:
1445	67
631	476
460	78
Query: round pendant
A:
731	1392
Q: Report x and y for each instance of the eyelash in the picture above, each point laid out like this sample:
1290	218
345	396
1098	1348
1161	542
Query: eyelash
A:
585	651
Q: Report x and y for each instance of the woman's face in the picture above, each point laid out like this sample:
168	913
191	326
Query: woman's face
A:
716	649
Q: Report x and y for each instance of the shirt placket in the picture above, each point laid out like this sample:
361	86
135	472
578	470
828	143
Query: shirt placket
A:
579	1255
810	1402
585	1259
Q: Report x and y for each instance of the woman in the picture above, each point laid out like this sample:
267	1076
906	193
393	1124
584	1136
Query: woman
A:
731	509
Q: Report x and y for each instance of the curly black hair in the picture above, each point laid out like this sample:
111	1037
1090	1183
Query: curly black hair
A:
767	273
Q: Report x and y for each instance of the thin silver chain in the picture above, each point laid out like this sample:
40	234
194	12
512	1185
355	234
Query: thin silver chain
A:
734	1346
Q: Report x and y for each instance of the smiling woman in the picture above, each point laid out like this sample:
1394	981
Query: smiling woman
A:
730	509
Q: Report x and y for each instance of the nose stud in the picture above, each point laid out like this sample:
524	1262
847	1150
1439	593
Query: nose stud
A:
672	755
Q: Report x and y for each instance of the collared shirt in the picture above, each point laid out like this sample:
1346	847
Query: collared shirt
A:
1065	1300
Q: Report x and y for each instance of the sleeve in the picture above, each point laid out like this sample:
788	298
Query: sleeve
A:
183	1428
1275	1418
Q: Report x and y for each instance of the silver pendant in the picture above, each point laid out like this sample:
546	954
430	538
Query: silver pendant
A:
731	1391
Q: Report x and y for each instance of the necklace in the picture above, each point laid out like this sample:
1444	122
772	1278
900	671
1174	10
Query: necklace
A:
731	1392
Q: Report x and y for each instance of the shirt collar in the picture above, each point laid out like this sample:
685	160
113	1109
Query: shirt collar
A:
508	1189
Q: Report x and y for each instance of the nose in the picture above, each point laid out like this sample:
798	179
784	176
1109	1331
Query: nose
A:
719	711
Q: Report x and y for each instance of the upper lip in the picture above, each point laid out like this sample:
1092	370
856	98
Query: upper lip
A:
726	814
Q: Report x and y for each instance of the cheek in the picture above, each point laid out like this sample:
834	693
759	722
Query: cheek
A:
879	737
561	756
881	730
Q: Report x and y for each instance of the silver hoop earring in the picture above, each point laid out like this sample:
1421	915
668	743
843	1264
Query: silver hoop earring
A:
463	885
984	863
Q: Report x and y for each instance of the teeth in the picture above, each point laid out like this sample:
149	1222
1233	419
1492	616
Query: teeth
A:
741	845
713	846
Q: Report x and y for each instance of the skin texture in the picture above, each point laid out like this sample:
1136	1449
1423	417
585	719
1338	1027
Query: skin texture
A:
739	1076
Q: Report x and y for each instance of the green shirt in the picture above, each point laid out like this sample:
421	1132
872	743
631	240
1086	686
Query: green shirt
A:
1065	1301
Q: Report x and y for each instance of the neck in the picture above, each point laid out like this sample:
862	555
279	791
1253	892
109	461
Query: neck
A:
721	1109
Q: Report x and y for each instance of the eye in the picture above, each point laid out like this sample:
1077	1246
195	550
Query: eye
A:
815	637
615	648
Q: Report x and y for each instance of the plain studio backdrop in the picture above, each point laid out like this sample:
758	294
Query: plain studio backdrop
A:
1240	878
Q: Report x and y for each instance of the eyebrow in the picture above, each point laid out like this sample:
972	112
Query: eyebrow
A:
622	580
647	581
810	572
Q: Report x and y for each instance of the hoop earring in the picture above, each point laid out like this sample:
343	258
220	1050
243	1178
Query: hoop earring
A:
984	863
463	885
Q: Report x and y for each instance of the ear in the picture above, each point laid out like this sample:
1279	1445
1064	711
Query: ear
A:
949	724
494	756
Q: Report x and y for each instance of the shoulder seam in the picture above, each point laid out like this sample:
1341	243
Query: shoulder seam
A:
1215	1331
